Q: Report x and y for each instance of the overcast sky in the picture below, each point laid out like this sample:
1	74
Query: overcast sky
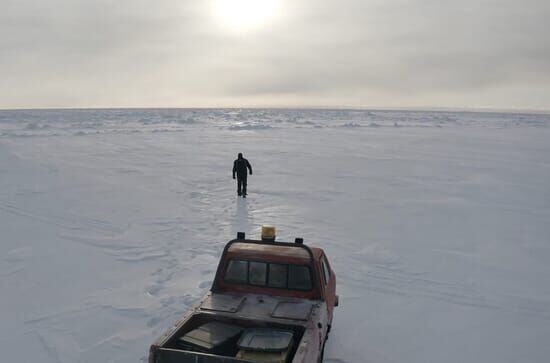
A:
346	53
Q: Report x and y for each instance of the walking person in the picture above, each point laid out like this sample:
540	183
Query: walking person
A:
240	167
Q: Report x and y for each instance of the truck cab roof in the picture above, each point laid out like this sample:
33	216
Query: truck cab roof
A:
261	250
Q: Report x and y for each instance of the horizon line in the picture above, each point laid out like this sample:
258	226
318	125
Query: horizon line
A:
305	107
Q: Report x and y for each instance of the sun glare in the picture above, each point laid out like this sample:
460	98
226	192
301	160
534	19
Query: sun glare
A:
244	14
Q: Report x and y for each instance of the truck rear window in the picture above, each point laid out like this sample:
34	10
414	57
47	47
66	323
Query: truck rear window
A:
295	277
237	271
299	277
277	275
257	273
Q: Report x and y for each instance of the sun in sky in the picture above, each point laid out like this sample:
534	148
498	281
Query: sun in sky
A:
242	15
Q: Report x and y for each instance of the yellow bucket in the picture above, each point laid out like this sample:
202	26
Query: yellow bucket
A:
268	232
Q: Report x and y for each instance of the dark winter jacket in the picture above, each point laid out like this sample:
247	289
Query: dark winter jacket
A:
239	166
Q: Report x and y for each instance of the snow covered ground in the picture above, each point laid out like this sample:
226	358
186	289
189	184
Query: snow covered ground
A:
437	225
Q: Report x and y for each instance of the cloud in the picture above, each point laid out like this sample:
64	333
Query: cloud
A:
173	53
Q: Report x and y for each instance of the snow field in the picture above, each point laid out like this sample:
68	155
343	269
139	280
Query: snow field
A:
112	223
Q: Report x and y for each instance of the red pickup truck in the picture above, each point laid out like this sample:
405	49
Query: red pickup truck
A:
269	302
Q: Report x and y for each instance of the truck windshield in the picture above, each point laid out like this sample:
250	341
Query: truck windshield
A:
294	277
